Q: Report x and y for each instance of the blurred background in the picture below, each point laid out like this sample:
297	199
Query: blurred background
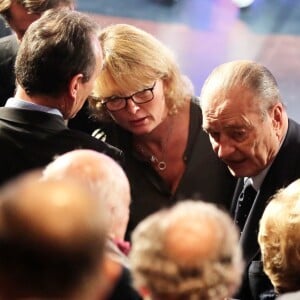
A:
206	33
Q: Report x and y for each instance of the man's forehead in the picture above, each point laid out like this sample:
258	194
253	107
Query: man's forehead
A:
227	104
227	119
219	106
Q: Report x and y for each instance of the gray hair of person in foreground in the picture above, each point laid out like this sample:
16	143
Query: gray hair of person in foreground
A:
189	252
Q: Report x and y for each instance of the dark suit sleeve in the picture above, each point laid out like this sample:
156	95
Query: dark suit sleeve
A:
8	52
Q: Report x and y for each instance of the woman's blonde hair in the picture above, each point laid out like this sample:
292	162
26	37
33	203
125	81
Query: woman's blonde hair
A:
133	60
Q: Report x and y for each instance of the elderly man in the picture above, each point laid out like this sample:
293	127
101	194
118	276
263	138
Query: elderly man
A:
249	130
189	251
280	241
57	63
52	241
108	182
105	178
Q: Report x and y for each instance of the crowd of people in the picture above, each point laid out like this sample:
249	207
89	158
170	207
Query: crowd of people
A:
118	182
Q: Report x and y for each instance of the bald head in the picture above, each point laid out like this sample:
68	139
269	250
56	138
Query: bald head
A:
103	177
50	232
199	244
190	250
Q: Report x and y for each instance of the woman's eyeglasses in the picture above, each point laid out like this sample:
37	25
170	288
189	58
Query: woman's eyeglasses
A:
116	103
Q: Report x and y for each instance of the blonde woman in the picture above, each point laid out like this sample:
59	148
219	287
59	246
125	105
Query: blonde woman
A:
146	107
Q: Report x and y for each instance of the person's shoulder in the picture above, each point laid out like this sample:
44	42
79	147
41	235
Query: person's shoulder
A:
195	101
293	133
9	46
115	135
9	42
294	124
85	140
195	106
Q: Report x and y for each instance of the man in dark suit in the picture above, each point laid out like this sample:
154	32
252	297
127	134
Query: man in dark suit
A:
57	63
19	15
250	131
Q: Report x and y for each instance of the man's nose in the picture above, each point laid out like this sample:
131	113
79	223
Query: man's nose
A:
224	148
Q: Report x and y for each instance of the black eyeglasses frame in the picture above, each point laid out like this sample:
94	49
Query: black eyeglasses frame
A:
106	100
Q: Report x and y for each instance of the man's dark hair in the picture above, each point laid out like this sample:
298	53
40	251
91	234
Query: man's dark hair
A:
55	48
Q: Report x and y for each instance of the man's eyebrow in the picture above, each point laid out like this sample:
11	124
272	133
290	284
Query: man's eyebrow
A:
237	126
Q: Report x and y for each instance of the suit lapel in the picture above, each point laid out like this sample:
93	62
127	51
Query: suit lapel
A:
283	171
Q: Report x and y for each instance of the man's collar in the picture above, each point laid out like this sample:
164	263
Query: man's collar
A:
19	103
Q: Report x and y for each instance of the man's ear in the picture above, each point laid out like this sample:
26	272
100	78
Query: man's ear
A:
277	115
74	85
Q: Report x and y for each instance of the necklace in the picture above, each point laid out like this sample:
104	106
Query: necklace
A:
159	163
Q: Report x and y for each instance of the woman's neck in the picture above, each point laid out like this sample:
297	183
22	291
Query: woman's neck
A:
172	123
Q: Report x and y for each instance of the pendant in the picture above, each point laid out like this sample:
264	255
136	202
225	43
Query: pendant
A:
161	165
153	159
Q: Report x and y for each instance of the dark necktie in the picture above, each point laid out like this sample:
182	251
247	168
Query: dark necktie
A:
244	205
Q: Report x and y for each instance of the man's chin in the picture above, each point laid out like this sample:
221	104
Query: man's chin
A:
239	172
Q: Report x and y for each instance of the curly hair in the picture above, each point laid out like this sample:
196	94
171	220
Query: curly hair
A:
189	252
279	238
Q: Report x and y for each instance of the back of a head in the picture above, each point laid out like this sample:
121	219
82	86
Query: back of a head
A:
55	48
245	75
279	238
104	178
52	236
187	252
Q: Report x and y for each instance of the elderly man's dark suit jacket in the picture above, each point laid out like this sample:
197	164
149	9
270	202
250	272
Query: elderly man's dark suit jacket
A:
284	170
32	139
